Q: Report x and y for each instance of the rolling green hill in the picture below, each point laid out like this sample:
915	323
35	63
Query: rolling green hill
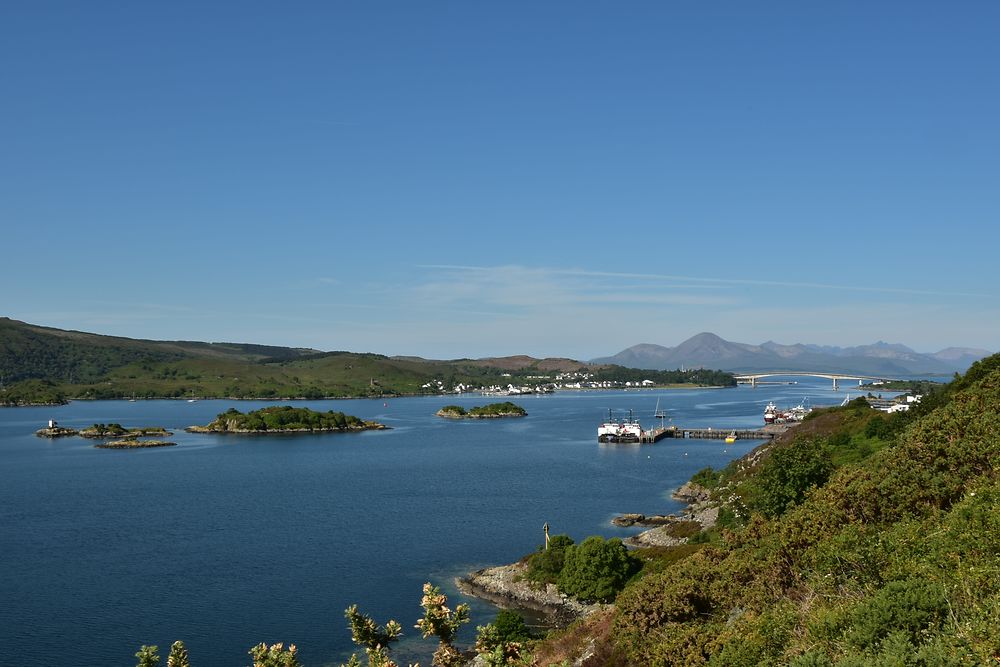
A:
44	365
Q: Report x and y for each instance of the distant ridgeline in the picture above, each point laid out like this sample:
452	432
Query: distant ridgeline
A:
284	419
41	365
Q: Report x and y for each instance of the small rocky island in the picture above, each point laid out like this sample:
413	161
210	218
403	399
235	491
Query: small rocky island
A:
54	430
491	411
285	419
113	430
133	444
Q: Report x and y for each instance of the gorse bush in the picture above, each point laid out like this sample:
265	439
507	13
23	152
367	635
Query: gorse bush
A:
907	607
790	473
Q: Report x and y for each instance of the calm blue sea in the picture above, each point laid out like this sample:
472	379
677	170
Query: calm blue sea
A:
227	541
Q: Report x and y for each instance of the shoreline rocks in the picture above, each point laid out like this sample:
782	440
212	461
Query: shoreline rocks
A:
690	493
700	510
134	444
56	432
124	434
629	520
508	587
369	426
491	411
455	415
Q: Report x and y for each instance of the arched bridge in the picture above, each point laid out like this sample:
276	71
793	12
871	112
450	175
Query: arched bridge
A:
751	378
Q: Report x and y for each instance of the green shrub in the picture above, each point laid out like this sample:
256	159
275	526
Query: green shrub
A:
596	569
906	607
510	626
707	477
545	565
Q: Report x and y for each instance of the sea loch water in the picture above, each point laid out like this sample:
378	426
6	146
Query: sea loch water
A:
227	541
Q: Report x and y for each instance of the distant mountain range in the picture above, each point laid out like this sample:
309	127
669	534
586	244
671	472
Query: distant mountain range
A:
710	351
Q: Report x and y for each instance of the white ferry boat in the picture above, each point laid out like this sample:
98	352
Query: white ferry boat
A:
626	430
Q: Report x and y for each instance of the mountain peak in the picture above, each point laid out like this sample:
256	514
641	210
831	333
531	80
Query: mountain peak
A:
708	350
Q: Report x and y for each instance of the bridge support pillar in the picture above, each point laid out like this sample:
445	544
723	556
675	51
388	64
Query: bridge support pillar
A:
835	384
753	383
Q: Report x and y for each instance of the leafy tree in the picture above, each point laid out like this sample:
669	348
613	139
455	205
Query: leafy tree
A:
441	622
178	655
545	565
149	656
493	409
275	655
596	569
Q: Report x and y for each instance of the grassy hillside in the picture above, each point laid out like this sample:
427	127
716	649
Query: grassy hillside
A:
33	352
860	540
40	365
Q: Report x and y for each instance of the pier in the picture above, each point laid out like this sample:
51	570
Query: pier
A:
657	434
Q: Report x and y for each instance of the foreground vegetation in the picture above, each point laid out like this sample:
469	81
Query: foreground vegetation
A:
499	643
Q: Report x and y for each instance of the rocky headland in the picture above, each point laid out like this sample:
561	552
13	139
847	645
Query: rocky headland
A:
507	586
700	514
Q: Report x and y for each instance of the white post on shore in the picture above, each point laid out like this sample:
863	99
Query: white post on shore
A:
545	528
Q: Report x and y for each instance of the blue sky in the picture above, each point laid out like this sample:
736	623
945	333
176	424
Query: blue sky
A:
464	179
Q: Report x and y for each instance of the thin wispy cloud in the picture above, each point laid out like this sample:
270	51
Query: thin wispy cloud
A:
519	287
691	281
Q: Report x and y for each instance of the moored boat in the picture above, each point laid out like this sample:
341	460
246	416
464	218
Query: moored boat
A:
626	430
609	430
772	415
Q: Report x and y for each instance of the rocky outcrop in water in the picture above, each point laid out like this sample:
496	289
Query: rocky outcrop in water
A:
134	444
56	432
